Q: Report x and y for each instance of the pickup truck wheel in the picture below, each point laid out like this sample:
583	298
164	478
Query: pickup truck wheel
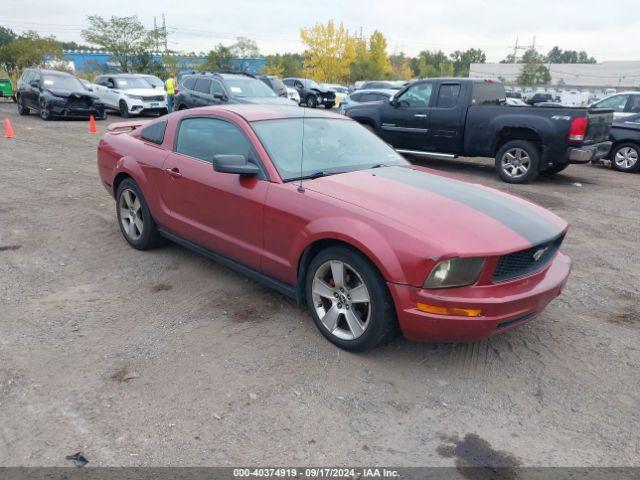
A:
626	157
518	161
555	168
349	300
135	220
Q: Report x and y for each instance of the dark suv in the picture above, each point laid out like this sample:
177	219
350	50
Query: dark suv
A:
311	94
211	88
52	93
275	84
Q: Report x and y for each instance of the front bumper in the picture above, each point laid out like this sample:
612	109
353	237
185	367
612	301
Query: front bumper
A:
63	111
588	153
504	305
137	107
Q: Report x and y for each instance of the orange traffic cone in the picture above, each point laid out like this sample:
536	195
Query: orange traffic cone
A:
8	131
92	125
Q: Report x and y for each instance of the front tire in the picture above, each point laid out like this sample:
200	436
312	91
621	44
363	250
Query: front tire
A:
123	109
518	161
135	220
22	109
312	101
45	111
626	157
349	300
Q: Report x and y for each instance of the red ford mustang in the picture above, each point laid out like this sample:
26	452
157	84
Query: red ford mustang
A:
323	211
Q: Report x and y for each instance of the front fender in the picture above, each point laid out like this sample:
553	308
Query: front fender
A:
377	249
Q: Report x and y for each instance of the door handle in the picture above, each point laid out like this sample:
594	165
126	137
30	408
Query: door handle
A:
174	172
420	115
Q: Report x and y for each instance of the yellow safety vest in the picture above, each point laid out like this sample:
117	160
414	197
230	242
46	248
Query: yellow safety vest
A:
170	86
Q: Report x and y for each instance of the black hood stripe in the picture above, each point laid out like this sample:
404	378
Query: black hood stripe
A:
524	221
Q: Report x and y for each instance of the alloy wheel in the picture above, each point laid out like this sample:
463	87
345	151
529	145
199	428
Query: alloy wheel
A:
131	214
515	162
341	300
626	158
44	111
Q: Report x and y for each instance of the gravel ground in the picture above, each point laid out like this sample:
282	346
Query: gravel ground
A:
165	358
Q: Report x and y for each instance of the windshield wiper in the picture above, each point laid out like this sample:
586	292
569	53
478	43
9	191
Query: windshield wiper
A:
318	174
379	165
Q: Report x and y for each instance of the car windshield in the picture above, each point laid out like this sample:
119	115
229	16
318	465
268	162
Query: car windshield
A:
308	83
127	83
154	82
62	82
331	145
248	87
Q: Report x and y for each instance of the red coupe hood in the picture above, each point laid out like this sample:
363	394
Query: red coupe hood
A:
462	218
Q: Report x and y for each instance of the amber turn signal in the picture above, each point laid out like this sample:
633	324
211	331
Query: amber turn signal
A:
454	311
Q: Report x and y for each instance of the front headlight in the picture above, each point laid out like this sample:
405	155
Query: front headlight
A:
455	272
134	97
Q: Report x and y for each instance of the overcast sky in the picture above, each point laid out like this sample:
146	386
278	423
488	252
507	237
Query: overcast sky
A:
607	30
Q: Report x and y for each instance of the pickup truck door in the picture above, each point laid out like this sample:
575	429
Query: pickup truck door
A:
404	121
447	119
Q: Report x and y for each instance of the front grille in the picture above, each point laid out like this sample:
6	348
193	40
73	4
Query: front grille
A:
153	98
79	103
525	262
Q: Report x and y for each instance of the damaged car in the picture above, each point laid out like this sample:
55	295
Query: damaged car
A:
311	93
51	94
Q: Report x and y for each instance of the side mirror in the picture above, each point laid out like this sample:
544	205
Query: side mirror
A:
35	84
220	96
237	164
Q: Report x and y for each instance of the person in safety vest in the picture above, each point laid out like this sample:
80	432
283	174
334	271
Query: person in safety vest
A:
170	88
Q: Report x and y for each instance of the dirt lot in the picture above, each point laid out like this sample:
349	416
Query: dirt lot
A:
165	358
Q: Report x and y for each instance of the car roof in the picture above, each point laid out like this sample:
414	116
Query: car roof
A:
44	71
257	112
376	90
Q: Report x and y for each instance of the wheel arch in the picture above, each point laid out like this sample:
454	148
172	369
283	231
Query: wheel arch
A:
313	247
509	133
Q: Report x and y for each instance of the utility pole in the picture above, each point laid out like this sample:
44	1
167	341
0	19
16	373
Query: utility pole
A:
515	52
164	33
155	32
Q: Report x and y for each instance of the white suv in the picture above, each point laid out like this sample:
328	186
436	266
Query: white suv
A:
130	94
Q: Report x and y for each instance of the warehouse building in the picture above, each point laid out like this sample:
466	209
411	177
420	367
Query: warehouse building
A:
618	75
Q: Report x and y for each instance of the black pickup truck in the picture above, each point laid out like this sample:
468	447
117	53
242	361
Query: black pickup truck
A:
450	117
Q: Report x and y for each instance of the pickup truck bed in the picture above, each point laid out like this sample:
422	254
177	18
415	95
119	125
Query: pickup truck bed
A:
451	117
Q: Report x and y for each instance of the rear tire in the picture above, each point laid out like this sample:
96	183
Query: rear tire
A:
518	161
135	220
349	301
625	157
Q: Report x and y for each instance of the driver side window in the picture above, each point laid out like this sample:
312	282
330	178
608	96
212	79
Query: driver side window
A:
416	96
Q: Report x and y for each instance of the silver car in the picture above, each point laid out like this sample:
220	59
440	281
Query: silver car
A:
363	96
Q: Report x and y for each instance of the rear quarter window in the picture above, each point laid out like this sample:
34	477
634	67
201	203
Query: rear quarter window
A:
154	133
488	93
189	83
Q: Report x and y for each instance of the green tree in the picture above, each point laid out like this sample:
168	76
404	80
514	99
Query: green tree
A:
28	50
534	73
220	58
462	60
531	55
125	37
6	36
431	64
284	65
245	48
